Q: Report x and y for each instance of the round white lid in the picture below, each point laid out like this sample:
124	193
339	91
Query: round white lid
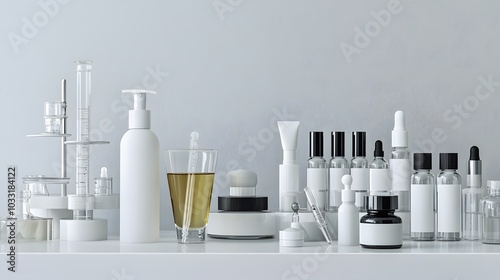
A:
292	237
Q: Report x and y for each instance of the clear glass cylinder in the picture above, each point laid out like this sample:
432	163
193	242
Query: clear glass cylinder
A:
491	217
423	205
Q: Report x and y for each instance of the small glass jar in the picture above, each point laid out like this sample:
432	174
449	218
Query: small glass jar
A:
491	214
380	228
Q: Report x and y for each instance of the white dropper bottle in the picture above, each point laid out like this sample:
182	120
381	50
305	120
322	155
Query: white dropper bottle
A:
348	226
400	167
139	176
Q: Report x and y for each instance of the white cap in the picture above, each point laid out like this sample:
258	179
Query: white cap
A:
139	117
104	172
347	193
292	237
399	133
242	182
494	184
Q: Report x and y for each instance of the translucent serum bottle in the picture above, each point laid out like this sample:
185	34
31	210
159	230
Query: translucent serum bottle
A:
339	166
380	178
317	172
471	198
423	188
449	191
401	170
360	171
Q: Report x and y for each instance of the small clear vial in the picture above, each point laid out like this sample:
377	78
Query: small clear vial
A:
360	171
423	188
339	166
491	214
449	191
317	172
103	184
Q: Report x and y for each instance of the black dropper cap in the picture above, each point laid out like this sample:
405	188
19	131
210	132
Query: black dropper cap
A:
379	150
359	144
422	161
448	161
316	144
474	153
338	144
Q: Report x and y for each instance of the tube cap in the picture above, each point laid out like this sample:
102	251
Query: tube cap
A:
381	202
338	144
316	144
448	161
422	161
359	144
379	150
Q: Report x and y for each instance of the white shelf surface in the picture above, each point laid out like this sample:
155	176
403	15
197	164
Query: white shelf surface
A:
263	259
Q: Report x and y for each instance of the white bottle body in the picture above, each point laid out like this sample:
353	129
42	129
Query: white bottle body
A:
449	191
139	187
348	224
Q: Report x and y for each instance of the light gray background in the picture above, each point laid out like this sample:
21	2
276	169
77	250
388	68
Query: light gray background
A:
230	68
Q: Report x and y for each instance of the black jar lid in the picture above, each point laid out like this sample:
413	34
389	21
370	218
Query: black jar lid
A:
381	202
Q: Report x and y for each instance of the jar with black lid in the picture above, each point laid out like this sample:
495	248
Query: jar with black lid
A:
380	228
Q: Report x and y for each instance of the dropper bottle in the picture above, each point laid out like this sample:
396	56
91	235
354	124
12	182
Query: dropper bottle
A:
400	167
471	197
380	179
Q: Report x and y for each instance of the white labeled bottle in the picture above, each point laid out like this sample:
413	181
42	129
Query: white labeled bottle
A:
380	178
360	171
339	166
348	224
317	172
449	191
423	188
139	176
471	198
400	167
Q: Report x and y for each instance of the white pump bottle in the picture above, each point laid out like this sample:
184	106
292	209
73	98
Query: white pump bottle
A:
139	176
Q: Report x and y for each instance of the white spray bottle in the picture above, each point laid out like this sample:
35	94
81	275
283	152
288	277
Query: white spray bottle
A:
348	226
139	176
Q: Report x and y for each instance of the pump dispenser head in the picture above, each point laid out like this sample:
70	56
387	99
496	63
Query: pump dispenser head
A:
399	133
347	193
139	117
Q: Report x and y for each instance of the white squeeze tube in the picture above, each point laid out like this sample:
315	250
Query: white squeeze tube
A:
289	170
188	204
